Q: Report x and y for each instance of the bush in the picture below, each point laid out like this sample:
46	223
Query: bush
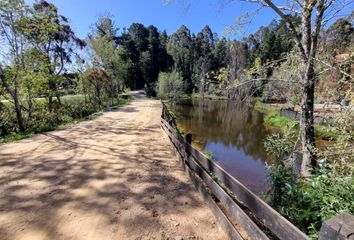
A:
278	146
40	119
307	204
150	89
170	85
7	123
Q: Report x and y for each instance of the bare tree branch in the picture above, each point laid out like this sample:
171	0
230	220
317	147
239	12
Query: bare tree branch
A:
332	66
261	80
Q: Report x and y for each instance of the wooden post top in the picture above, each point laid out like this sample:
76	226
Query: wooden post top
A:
339	227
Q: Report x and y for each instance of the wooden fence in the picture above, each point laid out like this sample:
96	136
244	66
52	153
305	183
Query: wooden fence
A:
242	214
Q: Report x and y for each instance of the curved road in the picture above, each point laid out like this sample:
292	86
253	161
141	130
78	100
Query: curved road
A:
114	177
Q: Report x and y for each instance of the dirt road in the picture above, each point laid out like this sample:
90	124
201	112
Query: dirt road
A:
111	178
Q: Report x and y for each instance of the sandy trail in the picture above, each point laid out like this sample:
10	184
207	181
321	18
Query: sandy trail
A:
115	177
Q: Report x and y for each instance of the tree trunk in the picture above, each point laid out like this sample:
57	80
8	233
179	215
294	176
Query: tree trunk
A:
58	98
50	102
18	112
307	121
15	97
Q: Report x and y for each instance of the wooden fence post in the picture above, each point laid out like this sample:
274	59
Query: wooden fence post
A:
339	227
189	138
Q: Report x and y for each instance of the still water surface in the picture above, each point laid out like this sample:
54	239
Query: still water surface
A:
234	132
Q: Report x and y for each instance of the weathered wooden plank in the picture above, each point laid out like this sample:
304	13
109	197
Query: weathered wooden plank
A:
280	226
173	131
235	211
218	213
230	205
173	137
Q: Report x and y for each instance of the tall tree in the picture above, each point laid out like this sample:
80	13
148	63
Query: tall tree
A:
165	60
154	49
105	27
204	45
103	40
306	37
12	46
180	47
51	34
220	53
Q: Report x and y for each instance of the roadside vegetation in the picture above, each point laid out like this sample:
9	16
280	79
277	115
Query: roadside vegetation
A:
295	60
70	111
45	82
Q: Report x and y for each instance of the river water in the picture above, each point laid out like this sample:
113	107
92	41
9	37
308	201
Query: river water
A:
233	132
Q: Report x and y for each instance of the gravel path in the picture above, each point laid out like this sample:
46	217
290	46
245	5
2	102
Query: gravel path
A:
115	177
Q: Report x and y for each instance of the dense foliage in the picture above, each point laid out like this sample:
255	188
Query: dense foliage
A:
309	203
37	68
330	189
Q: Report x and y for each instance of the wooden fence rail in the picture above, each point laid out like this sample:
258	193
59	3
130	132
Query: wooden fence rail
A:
240	209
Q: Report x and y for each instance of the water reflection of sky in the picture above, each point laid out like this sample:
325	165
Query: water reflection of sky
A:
246	168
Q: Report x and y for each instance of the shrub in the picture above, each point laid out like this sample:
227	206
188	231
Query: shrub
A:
309	203
170	85
40	119
278	146
150	89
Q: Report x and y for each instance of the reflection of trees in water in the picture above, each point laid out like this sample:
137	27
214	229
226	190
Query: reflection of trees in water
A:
228	122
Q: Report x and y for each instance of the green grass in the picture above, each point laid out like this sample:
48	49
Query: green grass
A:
209	155
326	133
46	128
262	108
181	131
273	119
169	108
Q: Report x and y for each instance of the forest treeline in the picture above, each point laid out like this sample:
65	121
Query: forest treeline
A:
42	57
204	63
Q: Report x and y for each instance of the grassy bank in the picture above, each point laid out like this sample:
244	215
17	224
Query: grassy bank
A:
273	119
72	110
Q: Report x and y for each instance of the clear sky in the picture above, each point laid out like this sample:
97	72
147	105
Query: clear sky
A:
192	13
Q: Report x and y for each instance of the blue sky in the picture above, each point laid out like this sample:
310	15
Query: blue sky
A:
82	13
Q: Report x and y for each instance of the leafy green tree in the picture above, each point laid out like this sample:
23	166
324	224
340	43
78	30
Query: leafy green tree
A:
170	85
50	33
109	56
13	45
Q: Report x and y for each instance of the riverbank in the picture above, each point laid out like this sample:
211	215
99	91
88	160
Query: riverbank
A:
274	119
